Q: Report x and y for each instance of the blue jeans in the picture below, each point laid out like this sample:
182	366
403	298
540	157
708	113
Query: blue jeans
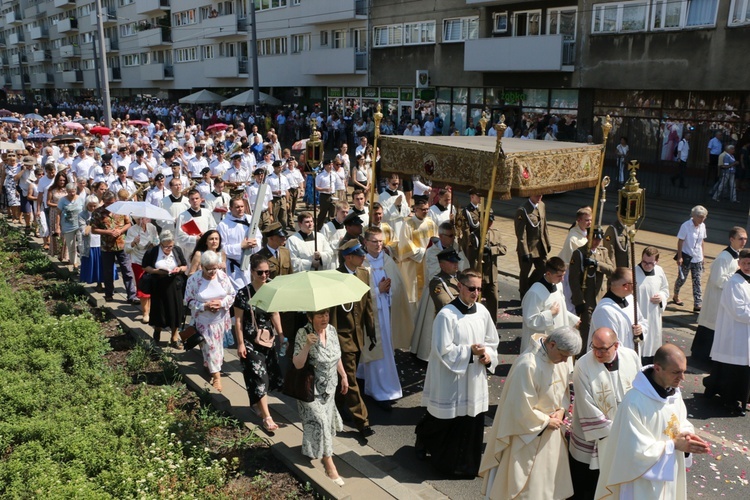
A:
108	271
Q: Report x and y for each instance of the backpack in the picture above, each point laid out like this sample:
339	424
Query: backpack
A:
677	149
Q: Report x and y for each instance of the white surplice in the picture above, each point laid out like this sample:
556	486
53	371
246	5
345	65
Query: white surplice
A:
598	393
393	215
232	235
722	269
608	313
537	317
639	460
456	383
302	252
524	458
648	286
732	335
186	242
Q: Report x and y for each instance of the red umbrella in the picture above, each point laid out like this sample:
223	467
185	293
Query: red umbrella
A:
138	123
217	126
100	130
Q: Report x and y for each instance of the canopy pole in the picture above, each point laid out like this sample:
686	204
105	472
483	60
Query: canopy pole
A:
499	155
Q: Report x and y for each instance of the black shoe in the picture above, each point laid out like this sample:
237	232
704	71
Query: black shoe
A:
134	302
108	298
739	410
385	405
366	432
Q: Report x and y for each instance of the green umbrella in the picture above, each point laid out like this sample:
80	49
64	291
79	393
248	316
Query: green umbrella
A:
309	291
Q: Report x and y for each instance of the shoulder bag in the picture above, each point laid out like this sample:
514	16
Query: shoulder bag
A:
299	383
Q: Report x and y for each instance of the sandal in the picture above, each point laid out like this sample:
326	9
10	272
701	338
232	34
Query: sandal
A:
216	383
678	302
269	425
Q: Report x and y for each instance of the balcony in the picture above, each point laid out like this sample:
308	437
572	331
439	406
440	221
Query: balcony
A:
154	37
4	61
40	79
226	67
18	59
221	26
115	75
69	51
2	41
13	18
17	81
75	76
64	4
15	38
151	7
67	25
40	56
109	14
157	71
111	45
38	33
332	62
327	11
512	54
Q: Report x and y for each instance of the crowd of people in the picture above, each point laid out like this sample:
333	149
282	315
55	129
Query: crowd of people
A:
420	256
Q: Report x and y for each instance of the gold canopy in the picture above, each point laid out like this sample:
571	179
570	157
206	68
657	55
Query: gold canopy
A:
529	166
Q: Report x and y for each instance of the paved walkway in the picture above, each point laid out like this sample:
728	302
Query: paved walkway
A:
369	474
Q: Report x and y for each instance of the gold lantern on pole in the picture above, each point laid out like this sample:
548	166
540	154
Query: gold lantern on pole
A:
377	117
314	157
630	211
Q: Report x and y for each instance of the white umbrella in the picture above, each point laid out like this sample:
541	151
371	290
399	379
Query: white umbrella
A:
247	99
11	146
202	97
140	209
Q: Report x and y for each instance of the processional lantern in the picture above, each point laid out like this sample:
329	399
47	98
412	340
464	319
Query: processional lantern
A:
632	199
314	147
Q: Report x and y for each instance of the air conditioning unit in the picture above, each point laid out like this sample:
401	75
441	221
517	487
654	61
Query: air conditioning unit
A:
299	91
423	79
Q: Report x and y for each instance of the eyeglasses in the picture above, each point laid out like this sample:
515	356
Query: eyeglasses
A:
212	270
261	273
601	350
472	288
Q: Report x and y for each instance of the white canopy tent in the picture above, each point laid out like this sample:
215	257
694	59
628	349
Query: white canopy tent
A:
202	97
248	99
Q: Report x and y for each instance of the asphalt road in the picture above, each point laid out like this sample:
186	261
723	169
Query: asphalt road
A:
722	474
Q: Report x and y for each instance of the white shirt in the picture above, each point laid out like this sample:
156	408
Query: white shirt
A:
692	237
325	181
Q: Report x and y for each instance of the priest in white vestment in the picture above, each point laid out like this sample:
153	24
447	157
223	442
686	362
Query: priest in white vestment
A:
393	202
526	454
464	347
730	374
393	322
543	305
174	203
412	245
722	268
334	229
653	294
390	235
616	311
601	379
576	238
302	251
202	217
443	210
235	239
645	454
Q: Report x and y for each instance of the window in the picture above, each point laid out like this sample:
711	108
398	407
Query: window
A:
272	46
323	38
269	4
126	2
127	30
300	43
678	14
500	22
527	23
131	60
338	39
207	52
739	12
562	22
460	29
227	49
186	55
185	17
419	33
388	36
296	2
619	17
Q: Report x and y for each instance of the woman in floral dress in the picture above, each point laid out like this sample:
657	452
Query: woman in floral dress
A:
318	344
209	295
261	363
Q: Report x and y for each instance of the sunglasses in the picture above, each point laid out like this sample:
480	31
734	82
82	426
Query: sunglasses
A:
261	273
472	288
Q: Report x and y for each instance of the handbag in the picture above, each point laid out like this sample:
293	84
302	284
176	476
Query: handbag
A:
146	283
191	337
686	259
263	336
299	383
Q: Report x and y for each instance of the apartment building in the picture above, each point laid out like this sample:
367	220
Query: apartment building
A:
168	48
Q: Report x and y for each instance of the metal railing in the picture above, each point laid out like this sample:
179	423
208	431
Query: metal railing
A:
360	61
569	52
168	71
242	65
242	24
116	74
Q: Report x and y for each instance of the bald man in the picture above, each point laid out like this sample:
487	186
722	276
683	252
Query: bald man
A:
601	379
651	441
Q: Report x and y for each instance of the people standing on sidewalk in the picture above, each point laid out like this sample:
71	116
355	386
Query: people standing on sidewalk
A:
683	152
653	295
727	170
140	238
533	241
714	149
689	257
722	269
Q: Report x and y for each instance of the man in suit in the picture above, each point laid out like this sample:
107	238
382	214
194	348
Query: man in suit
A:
352	322
470	224
533	241
279	259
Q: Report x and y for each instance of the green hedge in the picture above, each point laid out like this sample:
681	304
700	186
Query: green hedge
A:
72	427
